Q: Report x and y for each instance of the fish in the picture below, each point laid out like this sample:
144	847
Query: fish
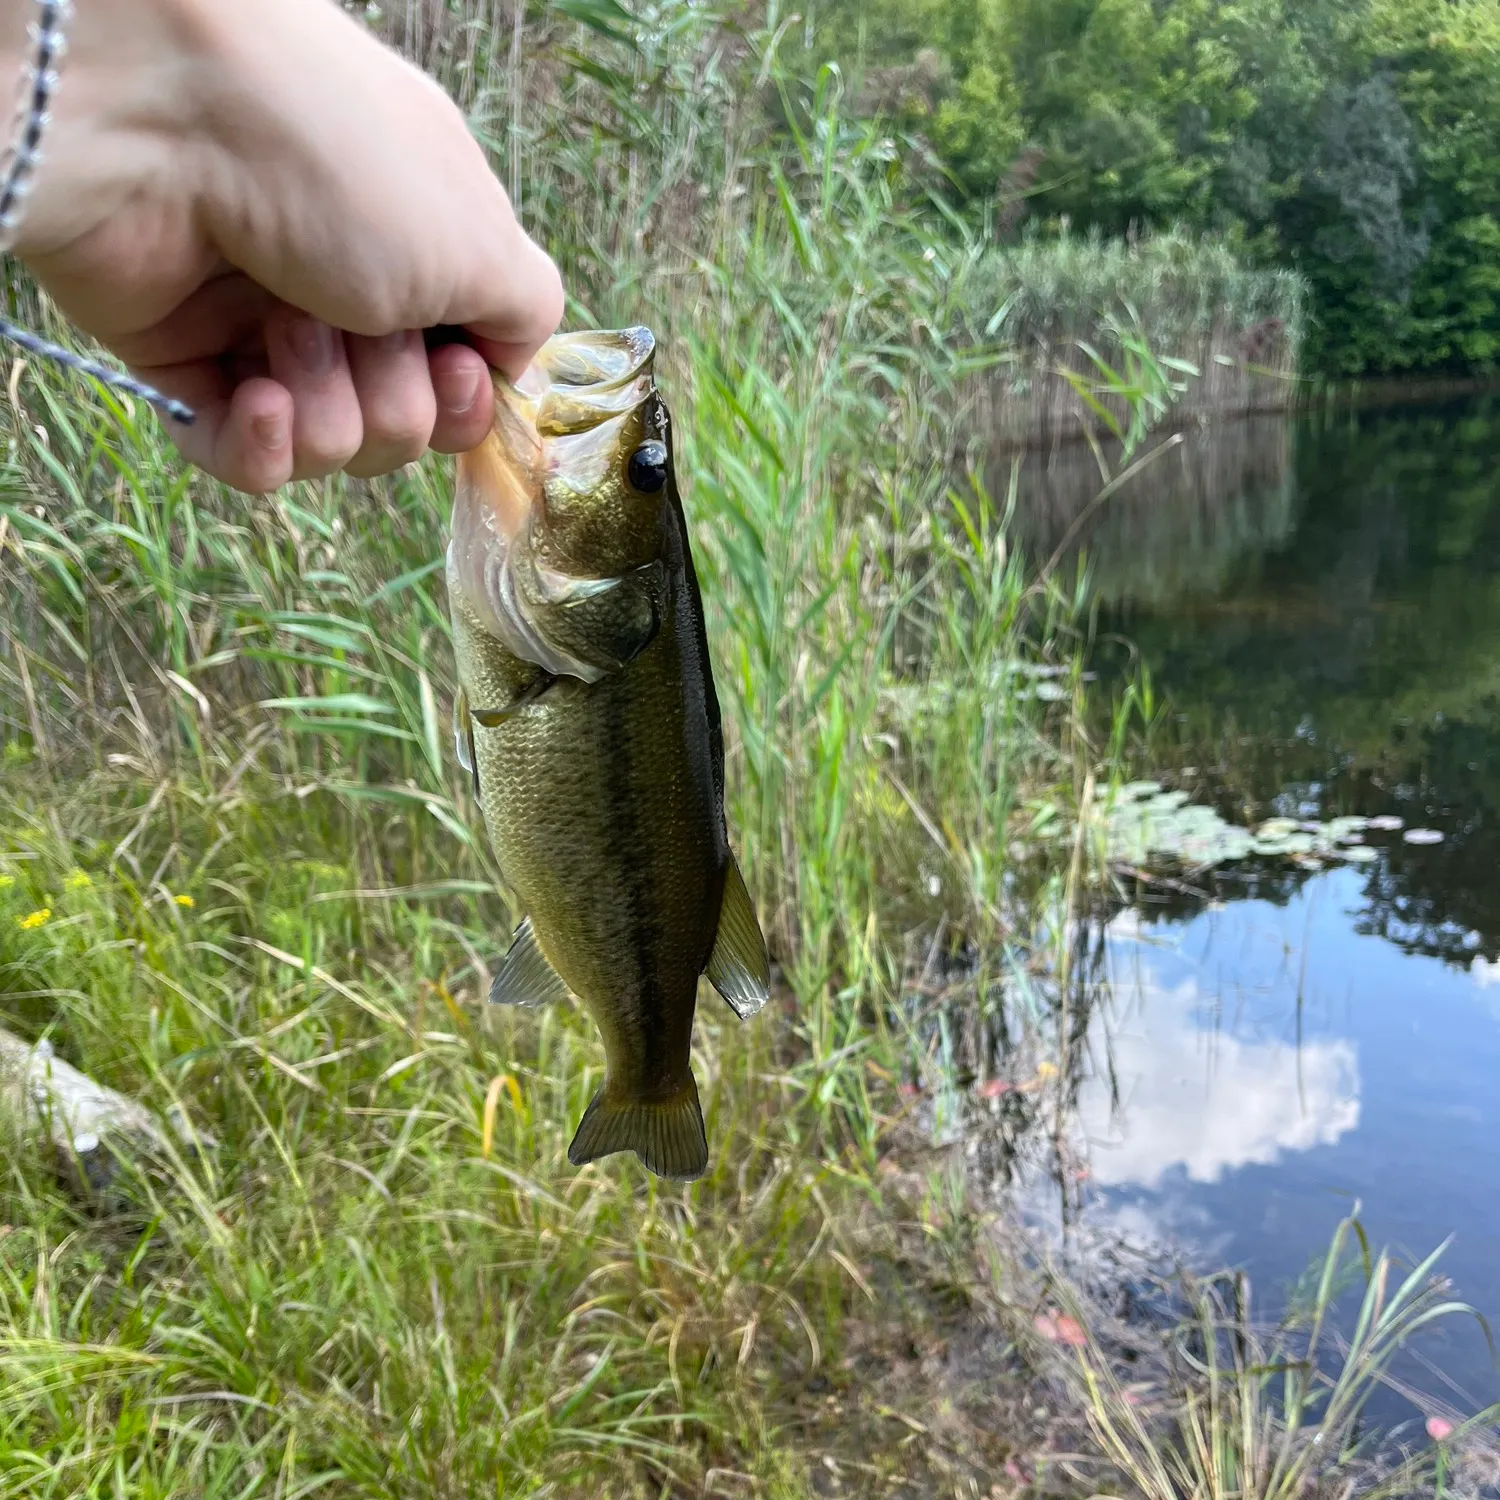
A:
587	717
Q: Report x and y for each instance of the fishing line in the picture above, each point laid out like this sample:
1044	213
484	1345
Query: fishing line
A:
39	79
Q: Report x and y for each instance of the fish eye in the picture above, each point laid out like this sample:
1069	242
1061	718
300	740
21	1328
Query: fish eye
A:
647	469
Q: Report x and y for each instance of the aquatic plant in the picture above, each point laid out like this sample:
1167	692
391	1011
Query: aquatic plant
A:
1144	823
1065	303
1226	1408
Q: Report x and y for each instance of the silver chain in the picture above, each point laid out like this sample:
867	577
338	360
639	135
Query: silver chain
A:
38	85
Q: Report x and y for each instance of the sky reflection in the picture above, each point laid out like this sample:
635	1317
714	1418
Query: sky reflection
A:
1175	1087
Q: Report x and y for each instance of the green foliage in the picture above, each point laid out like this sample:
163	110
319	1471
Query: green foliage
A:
1444	62
938	69
1177	284
1356	143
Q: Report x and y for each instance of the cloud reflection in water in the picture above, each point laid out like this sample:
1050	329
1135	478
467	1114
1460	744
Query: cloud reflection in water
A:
1197	1097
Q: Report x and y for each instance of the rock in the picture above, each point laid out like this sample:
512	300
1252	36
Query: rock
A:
88	1125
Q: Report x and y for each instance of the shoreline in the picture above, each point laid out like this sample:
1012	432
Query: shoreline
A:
1369	395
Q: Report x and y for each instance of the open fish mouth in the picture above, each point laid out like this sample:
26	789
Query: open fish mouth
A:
558	432
581	379
597	357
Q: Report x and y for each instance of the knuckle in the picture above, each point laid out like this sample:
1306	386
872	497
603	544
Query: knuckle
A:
402	431
327	451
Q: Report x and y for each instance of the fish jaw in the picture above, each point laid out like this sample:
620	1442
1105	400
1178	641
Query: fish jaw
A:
547	520
487	574
496	502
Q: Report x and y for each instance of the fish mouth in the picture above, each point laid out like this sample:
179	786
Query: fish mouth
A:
557	432
597	358
582	379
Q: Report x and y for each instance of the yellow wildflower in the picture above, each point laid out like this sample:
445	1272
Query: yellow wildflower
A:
184	900
35	919
78	881
6	881
1046	1070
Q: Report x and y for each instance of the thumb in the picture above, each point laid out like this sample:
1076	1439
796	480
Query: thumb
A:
531	301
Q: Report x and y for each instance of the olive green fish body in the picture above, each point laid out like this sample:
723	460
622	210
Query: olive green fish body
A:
603	800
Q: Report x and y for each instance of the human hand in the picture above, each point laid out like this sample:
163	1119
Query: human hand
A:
259	209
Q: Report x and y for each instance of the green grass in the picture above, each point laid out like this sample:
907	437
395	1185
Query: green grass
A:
225	778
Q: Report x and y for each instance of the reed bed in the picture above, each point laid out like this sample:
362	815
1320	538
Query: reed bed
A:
1235	331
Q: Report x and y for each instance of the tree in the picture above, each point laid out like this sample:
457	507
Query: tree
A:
1357	141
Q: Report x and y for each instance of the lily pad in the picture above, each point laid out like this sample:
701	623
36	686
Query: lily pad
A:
1291	843
1146	824
1278	828
1349	828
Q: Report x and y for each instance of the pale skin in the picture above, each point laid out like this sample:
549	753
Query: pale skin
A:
259	208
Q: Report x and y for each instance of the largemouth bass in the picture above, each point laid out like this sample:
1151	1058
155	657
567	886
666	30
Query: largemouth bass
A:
588	719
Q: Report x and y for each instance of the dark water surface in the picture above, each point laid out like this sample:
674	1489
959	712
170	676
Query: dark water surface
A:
1318	603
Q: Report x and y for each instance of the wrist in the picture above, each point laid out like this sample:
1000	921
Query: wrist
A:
124	109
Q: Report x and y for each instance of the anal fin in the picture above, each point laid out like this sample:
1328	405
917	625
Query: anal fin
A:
667	1134
526	976
739	968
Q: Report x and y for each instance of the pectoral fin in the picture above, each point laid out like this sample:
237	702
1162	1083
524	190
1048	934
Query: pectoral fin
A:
739	968
463	737
493	718
526	976
465	718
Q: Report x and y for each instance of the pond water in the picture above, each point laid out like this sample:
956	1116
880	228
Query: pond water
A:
1317	602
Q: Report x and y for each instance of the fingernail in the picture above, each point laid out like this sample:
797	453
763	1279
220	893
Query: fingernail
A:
311	343
458	391
270	432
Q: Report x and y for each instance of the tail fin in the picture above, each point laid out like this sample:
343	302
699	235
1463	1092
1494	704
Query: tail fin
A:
667	1134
